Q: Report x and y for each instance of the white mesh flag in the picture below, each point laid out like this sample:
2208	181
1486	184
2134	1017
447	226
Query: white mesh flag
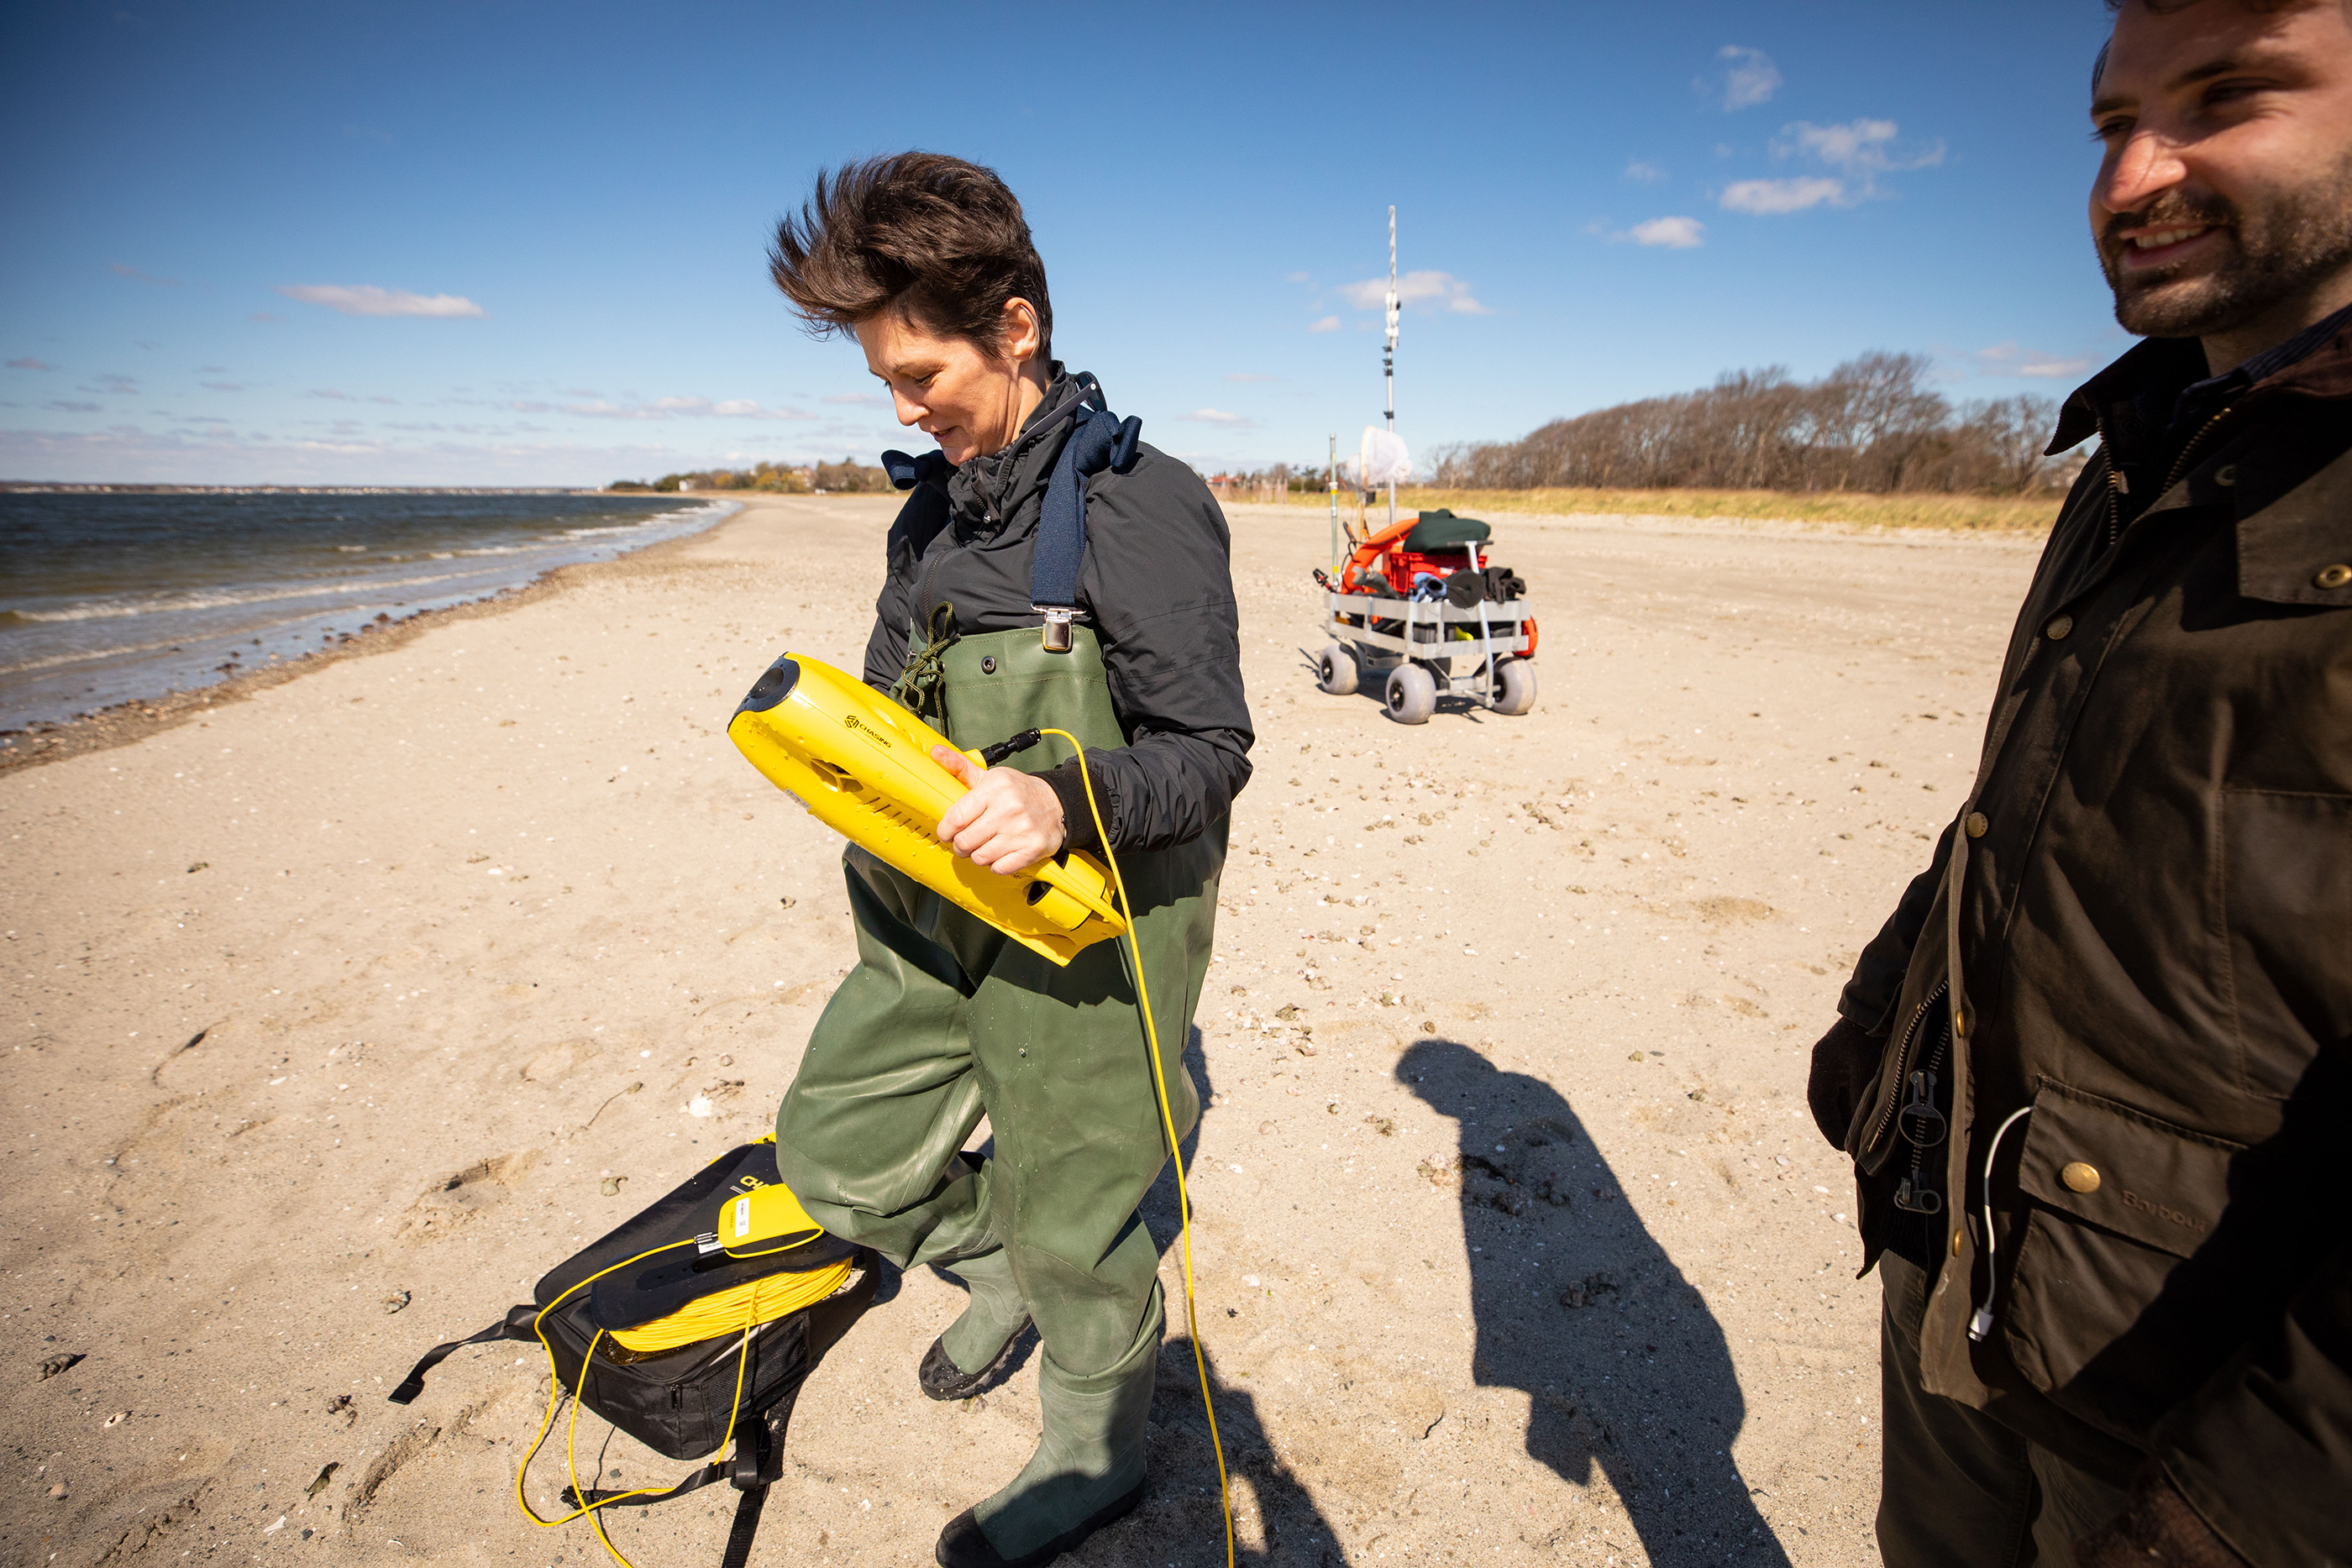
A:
1383	459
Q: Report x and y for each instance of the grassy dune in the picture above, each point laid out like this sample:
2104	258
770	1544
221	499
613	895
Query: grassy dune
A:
2002	514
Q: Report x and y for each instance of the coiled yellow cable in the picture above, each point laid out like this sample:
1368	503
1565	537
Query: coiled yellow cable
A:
1168	1122
707	1317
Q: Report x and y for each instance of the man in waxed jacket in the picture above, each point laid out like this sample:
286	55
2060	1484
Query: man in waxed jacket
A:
2095	1073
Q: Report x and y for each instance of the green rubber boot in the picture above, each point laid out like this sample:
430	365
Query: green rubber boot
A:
962	1361
1088	1471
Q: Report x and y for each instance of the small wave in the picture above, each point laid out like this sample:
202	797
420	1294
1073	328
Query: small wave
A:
119	610
89	655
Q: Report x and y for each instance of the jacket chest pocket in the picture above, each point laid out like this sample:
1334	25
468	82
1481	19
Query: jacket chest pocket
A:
2110	1314
2283	905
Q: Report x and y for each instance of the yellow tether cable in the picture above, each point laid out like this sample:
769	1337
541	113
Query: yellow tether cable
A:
1168	1121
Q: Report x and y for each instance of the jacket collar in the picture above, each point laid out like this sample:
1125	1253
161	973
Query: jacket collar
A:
2115	400
984	491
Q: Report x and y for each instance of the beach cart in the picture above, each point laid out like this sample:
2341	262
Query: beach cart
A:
1418	610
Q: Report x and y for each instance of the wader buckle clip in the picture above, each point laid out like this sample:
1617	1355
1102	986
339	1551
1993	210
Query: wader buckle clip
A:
1058	620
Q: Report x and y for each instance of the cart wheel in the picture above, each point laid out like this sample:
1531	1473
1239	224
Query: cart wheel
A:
1412	695
1335	670
1515	686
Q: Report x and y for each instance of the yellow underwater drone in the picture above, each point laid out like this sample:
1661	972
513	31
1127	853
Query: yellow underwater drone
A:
863	766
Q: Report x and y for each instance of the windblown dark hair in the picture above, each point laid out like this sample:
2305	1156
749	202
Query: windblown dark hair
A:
937	237
2161	7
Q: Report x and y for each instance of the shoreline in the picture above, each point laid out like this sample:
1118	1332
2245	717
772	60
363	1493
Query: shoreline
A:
124	723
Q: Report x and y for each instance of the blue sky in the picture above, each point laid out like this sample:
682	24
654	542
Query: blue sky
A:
521	242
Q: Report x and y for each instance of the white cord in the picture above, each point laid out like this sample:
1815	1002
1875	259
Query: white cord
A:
1981	1323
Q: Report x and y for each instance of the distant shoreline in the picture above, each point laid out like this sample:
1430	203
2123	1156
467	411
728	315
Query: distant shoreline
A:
74	488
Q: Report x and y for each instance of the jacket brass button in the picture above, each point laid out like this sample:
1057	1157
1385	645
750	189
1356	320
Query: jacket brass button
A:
2080	1176
1976	824
2226	474
1955	1240
988	664
2058	626
2335	576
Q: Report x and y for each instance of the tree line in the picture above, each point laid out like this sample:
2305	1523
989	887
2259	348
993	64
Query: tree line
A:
1874	424
847	477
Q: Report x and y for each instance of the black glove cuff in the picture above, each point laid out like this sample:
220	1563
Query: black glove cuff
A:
1077	821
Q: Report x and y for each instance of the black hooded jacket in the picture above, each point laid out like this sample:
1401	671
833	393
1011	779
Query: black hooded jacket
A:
1156	586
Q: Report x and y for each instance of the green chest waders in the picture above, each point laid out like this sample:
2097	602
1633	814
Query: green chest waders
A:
945	1020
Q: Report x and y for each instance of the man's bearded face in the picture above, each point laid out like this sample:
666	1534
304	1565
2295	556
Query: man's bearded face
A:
2268	247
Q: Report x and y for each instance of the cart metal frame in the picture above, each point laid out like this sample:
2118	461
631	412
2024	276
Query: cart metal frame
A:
1425	637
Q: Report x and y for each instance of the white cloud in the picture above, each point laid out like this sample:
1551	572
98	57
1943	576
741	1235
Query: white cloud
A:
664	408
1860	148
366	300
1217	417
29	363
1674	233
1647	174
1297	278
120	270
1751	78
1249	376
1859	151
2009	360
1428	290
1766	197
861	399
1327	324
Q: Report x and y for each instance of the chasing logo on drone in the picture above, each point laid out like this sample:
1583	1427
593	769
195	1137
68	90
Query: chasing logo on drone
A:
865	731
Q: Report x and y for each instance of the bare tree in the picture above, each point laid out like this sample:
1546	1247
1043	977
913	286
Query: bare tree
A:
1871	424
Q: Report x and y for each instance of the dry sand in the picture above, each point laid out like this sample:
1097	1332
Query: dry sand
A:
354	991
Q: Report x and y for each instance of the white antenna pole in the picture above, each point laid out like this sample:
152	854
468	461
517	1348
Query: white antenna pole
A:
1332	490
1387	355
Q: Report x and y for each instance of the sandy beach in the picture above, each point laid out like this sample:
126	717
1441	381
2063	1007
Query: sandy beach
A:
342	1006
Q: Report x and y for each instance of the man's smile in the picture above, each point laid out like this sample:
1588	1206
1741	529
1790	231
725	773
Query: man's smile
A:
2147	249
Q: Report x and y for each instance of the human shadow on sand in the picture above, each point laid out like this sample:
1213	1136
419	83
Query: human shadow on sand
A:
1577	1305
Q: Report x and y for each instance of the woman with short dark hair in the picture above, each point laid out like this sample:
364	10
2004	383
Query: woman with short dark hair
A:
928	261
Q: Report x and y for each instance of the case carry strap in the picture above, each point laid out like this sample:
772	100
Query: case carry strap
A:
516	1325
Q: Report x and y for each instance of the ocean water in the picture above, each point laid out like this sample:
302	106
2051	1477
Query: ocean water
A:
108	597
